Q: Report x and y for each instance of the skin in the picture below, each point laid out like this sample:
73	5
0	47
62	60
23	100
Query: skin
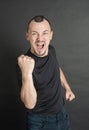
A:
39	36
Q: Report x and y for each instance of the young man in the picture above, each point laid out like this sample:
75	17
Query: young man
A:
40	78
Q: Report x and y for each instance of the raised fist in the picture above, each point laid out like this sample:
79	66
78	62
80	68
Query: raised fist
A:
26	64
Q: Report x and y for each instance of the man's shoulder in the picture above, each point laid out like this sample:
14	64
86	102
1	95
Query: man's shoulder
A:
52	49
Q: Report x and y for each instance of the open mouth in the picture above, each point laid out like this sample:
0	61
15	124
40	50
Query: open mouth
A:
40	48
40	45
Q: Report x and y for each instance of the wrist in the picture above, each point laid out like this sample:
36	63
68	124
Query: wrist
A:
27	76
67	87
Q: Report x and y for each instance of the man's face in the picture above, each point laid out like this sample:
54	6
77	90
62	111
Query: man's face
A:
39	35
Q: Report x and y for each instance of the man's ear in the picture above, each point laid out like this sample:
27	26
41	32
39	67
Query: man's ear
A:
51	35
27	36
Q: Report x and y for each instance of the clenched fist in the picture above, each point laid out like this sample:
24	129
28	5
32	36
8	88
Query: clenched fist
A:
26	64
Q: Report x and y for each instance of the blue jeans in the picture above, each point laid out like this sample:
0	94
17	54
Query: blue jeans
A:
58	121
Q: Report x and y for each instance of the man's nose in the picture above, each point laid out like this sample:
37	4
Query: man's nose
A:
40	38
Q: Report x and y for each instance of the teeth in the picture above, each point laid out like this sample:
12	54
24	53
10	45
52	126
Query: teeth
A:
40	46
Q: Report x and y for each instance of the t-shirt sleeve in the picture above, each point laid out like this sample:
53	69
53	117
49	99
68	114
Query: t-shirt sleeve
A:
53	52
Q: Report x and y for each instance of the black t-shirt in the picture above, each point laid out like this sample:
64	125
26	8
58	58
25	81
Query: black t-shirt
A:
46	78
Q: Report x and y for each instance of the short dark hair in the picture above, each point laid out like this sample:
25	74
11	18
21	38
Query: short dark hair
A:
39	18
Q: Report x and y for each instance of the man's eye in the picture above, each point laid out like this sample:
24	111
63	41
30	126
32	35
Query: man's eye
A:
33	33
45	33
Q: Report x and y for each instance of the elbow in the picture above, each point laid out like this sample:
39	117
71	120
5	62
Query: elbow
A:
30	105
28	100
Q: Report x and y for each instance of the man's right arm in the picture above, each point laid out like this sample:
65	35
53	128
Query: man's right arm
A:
28	92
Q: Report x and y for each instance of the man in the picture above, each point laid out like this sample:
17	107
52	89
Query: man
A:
40	78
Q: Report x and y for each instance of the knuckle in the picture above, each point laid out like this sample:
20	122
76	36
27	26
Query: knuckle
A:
19	58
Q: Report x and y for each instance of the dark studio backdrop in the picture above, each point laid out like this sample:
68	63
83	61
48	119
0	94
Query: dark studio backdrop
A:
70	20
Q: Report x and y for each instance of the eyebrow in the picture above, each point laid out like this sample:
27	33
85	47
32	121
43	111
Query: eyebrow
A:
37	32
45	31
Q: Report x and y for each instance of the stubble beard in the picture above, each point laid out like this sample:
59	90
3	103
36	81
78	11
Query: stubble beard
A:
40	54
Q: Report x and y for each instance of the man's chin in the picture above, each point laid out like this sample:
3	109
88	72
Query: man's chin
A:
40	54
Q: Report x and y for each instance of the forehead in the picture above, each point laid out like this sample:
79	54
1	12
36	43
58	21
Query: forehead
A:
43	25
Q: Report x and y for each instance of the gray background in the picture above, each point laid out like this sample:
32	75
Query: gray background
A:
70	20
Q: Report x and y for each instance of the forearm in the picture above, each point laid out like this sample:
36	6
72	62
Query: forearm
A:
69	94
64	82
28	92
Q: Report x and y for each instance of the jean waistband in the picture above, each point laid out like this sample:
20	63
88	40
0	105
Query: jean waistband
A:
50	117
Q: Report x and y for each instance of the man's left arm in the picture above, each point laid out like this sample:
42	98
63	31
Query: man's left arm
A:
68	92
